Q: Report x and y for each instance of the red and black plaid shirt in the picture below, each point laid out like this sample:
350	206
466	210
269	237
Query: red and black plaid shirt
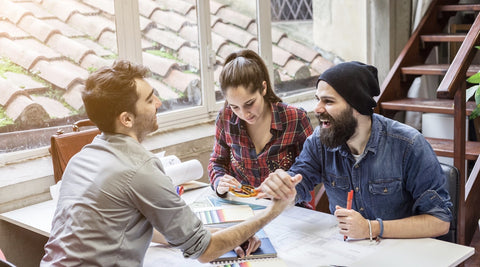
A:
234	153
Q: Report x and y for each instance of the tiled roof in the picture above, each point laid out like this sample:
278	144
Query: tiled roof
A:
56	43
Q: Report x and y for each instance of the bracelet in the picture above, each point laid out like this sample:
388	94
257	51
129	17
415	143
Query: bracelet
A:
381	227
370	230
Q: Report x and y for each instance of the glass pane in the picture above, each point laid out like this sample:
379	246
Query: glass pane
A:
298	62
47	50
170	49
233	28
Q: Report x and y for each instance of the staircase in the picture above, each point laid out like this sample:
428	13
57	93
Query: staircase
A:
450	98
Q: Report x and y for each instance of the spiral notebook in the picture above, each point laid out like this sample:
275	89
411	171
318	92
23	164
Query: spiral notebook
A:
270	262
266	250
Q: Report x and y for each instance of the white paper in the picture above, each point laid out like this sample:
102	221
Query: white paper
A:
55	190
185	171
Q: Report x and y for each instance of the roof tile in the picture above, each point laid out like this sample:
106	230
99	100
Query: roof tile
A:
91	25
170	20
320	64
54	108
159	65
18	54
98	49
189	33
7	29
12	11
23	110
34	45
190	56
281	76
297	69
227	49
9	92
94	62
300	50
109	40
106	6
64	28
180	80
73	96
65	8
234	34
69	48
217	41
164	91
62	74
147	7
279	56
26	82
146	24
277	35
239	19
36	10
37	28
181	7
166	38
216	6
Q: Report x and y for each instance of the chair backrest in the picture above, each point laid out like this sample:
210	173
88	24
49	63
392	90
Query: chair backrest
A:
452	186
64	145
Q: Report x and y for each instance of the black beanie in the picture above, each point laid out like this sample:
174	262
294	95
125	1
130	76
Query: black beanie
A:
356	82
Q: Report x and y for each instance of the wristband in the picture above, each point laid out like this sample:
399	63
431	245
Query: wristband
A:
380	222
370	230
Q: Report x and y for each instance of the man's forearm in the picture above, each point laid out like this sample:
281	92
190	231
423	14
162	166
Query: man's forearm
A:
412	227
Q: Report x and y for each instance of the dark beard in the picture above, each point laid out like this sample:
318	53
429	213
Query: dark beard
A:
341	129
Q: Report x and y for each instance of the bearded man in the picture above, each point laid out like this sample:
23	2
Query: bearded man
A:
398	183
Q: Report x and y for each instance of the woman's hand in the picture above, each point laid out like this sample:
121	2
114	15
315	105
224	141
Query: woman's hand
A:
227	182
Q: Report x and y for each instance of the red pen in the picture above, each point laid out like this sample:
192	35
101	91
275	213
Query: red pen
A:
349	206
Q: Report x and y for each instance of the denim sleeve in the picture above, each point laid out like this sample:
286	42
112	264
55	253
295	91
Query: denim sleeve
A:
426	181
308	165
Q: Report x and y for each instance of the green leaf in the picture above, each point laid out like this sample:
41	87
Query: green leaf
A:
477	98
471	91
475	113
475	78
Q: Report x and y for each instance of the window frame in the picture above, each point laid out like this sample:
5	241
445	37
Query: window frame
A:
129	47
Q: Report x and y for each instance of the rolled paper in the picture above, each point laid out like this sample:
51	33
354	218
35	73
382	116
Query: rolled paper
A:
185	171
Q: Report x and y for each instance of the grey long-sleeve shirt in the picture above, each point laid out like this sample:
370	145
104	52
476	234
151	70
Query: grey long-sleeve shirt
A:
113	193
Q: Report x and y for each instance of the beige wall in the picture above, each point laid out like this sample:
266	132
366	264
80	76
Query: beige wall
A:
339	26
370	31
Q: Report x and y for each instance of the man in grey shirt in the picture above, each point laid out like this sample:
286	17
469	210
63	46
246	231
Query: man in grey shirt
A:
115	196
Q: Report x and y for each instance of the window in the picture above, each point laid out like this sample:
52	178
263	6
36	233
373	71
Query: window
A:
48	48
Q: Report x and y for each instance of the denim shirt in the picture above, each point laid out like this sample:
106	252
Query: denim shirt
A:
397	176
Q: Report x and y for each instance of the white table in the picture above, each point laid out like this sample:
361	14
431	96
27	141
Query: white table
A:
301	237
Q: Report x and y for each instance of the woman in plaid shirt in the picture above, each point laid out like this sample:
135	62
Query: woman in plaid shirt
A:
255	133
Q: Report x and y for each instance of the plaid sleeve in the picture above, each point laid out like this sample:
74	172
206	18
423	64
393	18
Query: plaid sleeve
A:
220	157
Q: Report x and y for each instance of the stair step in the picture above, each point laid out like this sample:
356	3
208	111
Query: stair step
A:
469	7
443	106
451	38
444	148
435	69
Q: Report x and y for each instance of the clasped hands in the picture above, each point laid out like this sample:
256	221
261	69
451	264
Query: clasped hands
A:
278	185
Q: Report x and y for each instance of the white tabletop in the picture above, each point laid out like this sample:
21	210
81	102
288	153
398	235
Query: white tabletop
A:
301	237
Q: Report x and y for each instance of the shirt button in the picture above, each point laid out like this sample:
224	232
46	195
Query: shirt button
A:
361	208
333	183
385	190
356	189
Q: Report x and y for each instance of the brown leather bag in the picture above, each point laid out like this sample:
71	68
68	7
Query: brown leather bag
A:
64	145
